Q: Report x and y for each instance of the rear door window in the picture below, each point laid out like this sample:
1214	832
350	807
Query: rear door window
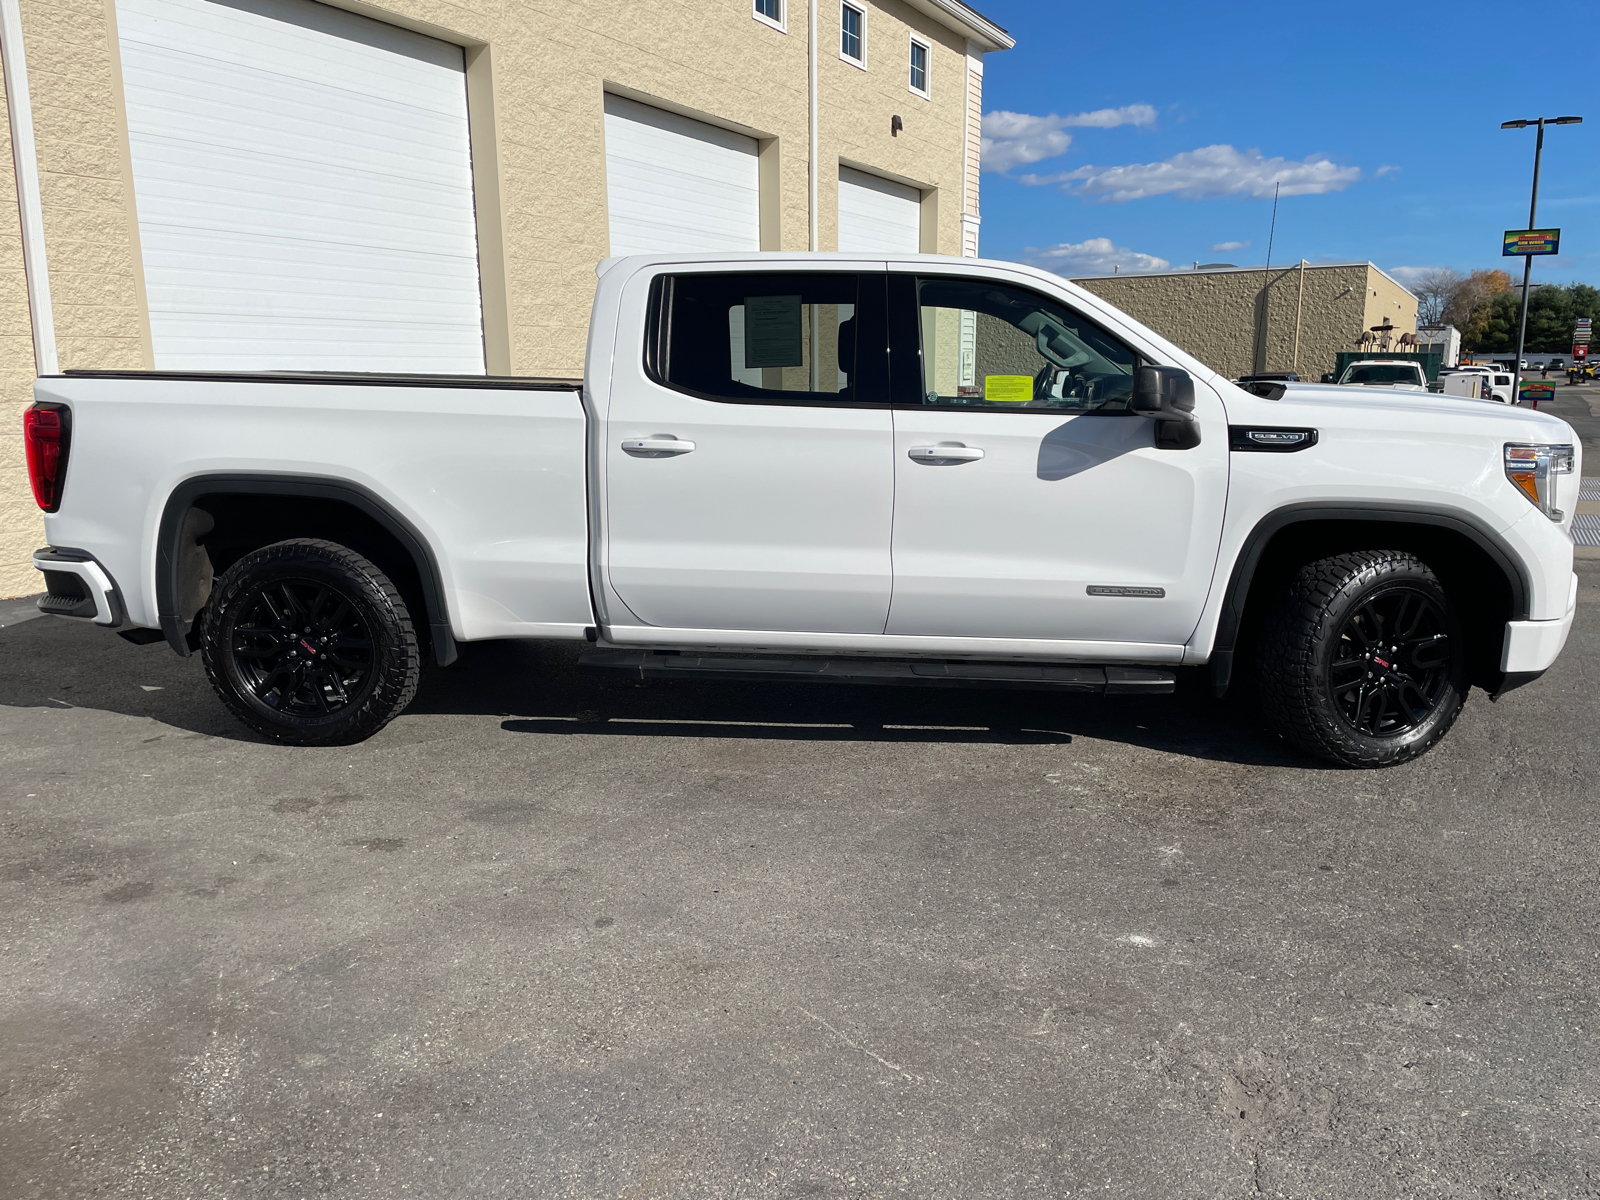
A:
769	337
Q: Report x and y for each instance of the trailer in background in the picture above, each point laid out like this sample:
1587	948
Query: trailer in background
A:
1443	340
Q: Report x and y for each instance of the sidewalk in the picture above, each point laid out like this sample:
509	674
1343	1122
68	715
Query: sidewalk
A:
1580	407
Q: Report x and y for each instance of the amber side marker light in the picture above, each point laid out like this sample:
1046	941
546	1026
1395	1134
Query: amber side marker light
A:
46	437
1532	470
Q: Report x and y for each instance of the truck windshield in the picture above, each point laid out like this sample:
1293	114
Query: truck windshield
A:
1395	374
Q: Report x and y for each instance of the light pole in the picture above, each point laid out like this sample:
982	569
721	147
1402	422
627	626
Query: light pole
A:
1533	218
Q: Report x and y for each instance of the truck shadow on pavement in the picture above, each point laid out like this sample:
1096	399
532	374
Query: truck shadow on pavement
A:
537	688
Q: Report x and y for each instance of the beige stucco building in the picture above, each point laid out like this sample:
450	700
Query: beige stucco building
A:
553	122
1246	320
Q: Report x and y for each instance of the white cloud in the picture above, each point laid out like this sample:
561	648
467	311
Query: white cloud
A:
1032	180
1231	246
1110	118
1407	275
1207	172
1096	256
1013	139
1387	170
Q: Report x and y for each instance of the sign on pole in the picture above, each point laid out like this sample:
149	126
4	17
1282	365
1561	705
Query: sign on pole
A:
1530	392
1580	351
1520	242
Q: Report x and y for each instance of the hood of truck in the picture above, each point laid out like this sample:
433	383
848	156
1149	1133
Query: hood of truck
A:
1358	406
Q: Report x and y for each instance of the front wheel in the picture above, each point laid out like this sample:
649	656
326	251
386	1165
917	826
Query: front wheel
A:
1363	659
309	643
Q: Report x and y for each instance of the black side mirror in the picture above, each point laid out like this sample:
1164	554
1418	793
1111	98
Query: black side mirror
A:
1328	377
1166	394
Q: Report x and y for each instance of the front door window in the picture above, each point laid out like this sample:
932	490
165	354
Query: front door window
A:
988	345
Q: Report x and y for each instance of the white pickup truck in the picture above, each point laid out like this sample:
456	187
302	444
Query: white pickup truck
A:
1395	374
933	471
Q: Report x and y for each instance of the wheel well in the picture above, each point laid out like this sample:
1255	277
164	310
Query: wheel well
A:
1476	583
206	531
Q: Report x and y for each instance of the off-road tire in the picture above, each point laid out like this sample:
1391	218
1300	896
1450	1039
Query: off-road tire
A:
358	663
1315	660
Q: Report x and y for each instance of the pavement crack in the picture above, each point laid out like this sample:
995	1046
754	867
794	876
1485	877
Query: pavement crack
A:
854	1045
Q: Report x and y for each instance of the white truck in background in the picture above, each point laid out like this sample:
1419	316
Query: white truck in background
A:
1477	383
927	471
1395	374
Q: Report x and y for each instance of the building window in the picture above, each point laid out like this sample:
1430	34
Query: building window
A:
853	34
919	67
770	12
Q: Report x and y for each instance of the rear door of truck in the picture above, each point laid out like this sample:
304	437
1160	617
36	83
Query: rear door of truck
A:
747	449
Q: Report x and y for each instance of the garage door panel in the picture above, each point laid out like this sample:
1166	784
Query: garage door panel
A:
312	206
243	109
303	179
676	184
327	284
253	33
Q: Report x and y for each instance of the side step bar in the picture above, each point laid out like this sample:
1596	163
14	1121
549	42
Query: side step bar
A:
1108	681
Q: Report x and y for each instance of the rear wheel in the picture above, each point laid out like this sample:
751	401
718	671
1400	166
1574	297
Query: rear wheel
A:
309	643
1363	660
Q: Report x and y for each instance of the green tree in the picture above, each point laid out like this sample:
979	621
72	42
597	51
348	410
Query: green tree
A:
1553	310
1492	326
1549	321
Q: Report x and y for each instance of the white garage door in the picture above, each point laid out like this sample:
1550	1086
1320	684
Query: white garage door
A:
877	216
304	188
677	185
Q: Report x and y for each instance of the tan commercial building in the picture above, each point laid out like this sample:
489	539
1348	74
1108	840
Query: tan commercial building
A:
1247	320
427	186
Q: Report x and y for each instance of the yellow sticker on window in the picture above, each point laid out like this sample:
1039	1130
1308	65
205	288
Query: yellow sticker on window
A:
1008	389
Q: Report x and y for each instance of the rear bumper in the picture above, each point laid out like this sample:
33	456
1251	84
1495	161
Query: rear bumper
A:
78	586
1531	646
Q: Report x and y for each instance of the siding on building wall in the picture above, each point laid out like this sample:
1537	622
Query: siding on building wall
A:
1243	322
856	108
537	74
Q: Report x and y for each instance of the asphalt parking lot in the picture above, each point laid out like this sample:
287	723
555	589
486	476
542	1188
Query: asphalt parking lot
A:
553	934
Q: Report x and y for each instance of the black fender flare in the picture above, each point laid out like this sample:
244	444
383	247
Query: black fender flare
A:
169	544
1255	544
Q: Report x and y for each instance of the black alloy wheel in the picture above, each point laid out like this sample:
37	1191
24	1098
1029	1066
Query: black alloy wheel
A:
309	643
1391	666
302	648
1362	659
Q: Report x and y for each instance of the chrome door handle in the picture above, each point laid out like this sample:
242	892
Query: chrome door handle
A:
657	445
947	453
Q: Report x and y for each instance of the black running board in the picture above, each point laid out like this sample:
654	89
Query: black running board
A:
1108	681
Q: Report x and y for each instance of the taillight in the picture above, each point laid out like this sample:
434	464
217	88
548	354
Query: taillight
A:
47	434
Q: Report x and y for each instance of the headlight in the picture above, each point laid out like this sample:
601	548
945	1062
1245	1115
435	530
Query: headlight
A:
1532	470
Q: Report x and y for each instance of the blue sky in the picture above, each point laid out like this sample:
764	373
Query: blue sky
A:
1160	128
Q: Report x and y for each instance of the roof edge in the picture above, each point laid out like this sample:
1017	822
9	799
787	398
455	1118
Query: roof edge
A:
966	21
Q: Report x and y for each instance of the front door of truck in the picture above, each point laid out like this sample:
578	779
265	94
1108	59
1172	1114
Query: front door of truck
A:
1030	500
748	456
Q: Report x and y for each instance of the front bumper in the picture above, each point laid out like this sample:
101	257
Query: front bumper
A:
78	586
1530	647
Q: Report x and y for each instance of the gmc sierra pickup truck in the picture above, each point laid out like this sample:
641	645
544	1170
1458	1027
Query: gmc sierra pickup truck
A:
936	472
